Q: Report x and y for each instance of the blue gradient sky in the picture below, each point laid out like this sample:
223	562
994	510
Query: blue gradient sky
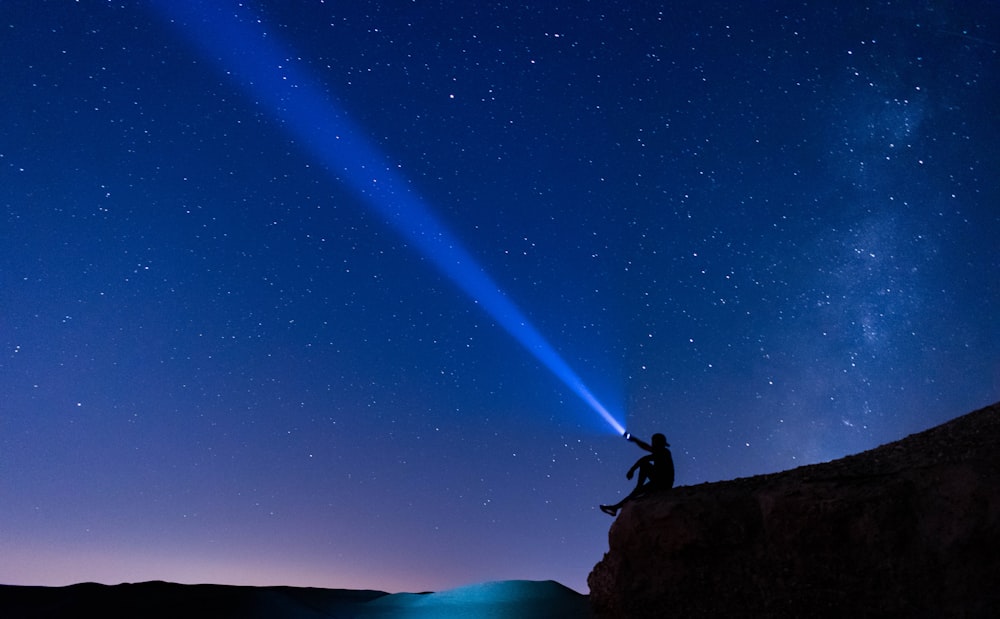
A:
225	357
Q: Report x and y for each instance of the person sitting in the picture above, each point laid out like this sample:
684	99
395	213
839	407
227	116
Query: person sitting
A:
656	471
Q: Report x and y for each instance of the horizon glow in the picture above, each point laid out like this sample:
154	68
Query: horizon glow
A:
263	68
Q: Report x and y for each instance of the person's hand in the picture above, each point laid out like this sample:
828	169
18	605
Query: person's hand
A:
629	474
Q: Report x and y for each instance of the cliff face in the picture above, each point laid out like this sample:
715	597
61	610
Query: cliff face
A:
911	529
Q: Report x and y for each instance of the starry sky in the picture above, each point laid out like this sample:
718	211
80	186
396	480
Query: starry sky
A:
768	232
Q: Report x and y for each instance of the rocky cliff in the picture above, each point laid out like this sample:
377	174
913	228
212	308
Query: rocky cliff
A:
909	529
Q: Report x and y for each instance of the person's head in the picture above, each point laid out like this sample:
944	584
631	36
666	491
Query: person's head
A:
660	441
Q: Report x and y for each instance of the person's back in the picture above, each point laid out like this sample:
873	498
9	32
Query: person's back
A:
662	474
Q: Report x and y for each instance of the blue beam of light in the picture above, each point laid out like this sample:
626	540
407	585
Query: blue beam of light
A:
268	72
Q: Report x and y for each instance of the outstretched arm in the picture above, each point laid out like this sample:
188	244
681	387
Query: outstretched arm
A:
641	443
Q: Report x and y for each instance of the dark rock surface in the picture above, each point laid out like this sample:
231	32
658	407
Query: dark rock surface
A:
909	529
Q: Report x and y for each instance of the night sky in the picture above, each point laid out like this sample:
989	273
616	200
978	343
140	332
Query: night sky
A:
227	356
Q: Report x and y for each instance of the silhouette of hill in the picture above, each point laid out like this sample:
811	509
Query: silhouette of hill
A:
156	600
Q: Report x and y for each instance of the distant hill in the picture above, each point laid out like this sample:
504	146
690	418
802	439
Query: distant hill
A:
909	529
156	600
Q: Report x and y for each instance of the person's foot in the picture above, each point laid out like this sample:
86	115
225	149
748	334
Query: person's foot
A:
609	510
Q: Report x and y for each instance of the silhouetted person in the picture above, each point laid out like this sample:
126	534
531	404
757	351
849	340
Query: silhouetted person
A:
656	471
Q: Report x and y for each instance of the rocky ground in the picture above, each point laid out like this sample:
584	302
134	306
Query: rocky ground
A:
911	528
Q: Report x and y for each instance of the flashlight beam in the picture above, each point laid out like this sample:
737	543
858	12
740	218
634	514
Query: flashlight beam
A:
268	73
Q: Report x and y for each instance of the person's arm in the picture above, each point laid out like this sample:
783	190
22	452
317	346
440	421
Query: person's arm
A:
641	443
631	471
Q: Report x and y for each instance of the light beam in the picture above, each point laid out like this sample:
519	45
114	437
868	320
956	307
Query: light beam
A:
251	56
